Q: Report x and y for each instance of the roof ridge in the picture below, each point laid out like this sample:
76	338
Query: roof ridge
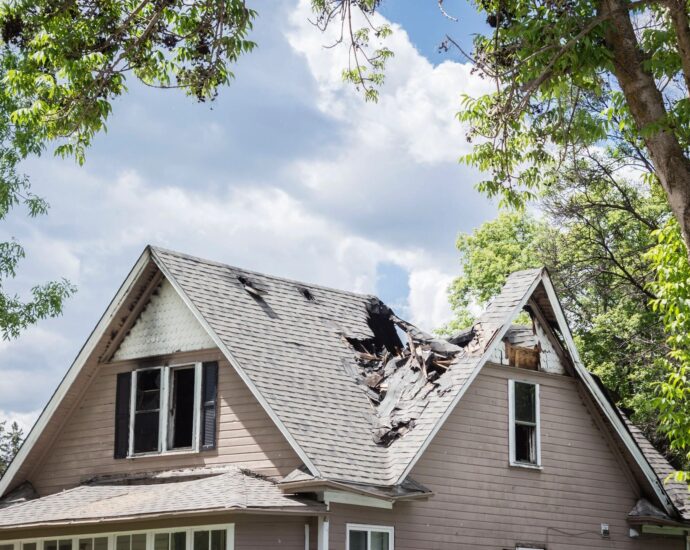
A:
157	249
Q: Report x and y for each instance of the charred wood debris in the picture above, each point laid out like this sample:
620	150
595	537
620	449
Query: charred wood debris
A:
400	379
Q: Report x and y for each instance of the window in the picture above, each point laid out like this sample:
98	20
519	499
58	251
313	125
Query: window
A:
525	439
369	537
164	412
207	537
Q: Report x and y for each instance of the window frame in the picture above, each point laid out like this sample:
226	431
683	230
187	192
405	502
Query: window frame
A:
370	529
512	423
229	529
164	421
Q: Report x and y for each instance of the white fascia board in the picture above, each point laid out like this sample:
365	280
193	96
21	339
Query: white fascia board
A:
343	497
603	402
498	338
236	366
74	371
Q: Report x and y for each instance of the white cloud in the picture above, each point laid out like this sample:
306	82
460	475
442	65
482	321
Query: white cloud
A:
25	421
428	300
416	111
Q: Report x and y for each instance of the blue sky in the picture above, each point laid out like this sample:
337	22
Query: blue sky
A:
289	172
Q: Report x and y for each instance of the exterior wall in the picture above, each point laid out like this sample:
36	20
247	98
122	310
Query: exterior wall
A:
482	502
268	533
83	447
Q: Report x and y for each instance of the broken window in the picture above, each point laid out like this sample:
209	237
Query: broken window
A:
165	409
369	537
524	423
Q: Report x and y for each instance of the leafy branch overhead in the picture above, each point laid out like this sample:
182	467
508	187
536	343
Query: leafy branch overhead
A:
63	63
575	73
367	63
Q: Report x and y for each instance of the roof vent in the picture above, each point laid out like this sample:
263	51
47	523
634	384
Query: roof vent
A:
306	293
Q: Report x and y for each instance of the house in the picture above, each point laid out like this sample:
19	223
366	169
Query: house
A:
214	408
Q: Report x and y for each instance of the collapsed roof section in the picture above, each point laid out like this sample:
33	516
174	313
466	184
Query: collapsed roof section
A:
399	379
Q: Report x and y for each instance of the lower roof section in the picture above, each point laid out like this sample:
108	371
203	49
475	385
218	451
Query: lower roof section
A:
111	501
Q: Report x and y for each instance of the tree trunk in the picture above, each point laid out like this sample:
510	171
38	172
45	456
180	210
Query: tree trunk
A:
646	105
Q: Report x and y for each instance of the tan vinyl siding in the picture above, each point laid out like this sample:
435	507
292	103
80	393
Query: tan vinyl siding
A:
83	447
269	533
481	502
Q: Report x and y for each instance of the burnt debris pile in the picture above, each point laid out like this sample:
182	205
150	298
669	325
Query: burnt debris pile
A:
400	378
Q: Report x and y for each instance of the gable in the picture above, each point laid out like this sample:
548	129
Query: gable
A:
583	482
164	326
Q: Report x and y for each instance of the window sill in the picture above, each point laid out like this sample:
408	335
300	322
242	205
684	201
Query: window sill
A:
526	466
163	454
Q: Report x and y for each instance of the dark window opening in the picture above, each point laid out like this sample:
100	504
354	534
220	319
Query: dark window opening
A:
525	444
525	423
147	411
182	407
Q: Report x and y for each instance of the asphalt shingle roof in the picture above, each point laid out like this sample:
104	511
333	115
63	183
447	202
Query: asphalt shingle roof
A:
294	351
676	490
233	490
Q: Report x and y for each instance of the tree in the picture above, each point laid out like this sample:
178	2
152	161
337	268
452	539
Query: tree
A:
10	441
63	62
488	255
593	235
568	73
672	290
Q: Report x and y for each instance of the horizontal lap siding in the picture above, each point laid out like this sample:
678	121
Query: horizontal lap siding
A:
84	446
268	533
482	503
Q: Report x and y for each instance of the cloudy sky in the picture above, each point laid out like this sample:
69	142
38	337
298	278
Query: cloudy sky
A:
288	172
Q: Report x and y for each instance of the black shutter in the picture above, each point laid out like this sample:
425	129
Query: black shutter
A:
122	398
209	405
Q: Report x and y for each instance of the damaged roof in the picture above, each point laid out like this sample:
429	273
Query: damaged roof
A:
301	354
233	490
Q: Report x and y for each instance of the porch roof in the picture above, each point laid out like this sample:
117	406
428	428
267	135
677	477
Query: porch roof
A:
116	501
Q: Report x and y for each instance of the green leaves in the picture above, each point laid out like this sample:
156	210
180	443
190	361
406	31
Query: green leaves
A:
64	62
10	440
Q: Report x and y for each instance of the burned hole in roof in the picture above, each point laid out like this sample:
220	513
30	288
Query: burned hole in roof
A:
400	379
257	294
307	294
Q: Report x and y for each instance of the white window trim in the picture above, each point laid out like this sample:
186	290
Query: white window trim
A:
511	425
229	529
369	529
164	411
